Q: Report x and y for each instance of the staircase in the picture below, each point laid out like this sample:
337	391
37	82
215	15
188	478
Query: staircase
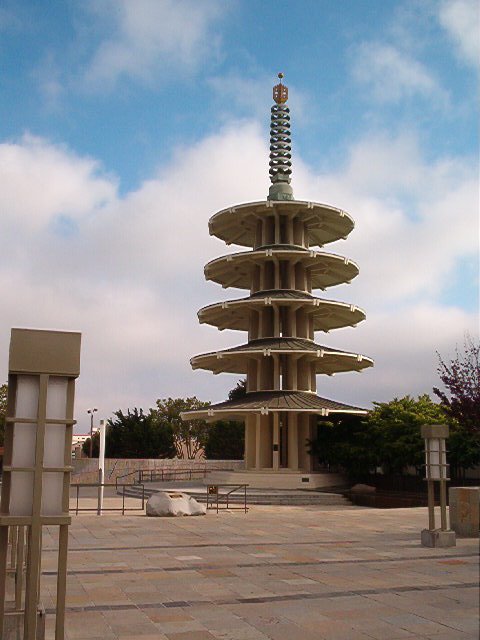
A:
254	496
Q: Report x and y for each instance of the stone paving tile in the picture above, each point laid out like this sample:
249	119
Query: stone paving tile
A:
277	573
247	633
417	624
191	635
448	636
380	630
270	622
154	636
97	626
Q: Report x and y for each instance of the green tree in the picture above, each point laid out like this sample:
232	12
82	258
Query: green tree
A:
389	437
189	436
461	377
398	425
225	440
239	391
347	441
3	410
95	446
135	435
463	447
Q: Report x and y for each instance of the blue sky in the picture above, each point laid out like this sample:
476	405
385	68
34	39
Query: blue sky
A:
125	125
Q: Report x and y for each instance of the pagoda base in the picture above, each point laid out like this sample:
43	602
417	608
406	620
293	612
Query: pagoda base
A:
282	479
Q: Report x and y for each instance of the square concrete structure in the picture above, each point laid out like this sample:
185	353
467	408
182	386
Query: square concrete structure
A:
465	511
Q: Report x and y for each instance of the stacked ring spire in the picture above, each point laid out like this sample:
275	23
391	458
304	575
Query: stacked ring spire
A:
280	141
283	266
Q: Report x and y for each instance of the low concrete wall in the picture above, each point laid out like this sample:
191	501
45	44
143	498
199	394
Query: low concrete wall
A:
275	480
86	469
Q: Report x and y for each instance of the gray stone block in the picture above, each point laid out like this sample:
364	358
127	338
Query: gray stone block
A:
438	538
465	511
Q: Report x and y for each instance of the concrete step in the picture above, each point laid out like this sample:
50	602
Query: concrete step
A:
285	497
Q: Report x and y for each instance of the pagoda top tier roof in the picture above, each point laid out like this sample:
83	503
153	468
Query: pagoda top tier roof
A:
265	402
238	224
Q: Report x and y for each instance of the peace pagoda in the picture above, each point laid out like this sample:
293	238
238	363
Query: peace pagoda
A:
284	263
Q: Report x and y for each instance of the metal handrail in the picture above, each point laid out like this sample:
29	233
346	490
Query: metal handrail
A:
213	490
125	475
166	475
77	509
169	475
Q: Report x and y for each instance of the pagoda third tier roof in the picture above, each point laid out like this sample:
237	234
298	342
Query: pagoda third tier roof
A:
327	314
235	269
237	224
235	360
265	402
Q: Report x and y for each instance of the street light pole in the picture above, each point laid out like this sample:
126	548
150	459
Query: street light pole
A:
91	412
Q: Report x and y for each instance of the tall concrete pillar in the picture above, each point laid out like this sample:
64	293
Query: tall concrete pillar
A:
257	440
250	442
293	441
266	439
276	441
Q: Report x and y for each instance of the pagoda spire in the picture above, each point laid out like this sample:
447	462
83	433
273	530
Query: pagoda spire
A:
280	145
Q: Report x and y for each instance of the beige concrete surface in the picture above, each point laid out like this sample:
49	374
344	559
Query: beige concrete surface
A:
279	573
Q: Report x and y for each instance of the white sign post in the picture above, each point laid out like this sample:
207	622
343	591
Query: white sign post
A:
101	466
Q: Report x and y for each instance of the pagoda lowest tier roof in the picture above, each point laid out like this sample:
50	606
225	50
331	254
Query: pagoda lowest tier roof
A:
237	224
235	269
235	360
265	402
327	314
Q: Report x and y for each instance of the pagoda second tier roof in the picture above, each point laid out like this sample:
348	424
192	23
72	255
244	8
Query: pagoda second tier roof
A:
327	314
265	402
235	360
237	224
235	269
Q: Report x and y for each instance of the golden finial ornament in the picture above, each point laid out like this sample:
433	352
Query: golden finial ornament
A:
280	91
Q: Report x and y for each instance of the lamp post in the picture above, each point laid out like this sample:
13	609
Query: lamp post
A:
101	465
43	366
436	470
91	412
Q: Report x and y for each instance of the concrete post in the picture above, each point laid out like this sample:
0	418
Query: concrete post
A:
436	468
101	465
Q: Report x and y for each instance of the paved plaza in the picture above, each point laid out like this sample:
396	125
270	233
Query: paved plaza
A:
279	573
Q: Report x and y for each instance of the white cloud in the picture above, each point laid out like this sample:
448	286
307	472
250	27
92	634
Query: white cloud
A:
147	39
129	272
404	343
415	220
41	181
461	20
392	75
